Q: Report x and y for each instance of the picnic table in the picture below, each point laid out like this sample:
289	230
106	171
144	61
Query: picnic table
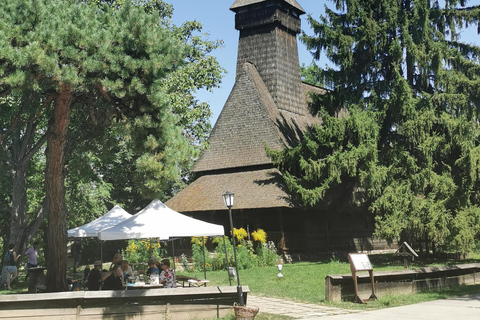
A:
142	285
191	282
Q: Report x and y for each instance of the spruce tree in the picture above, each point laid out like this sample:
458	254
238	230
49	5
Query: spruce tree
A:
401	119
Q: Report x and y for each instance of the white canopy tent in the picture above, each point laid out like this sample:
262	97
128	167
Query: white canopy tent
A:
108	220
90	230
159	221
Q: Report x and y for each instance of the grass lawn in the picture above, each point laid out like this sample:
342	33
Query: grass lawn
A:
305	281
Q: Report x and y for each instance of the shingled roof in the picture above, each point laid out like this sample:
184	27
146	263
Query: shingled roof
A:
253	190
249	121
243	3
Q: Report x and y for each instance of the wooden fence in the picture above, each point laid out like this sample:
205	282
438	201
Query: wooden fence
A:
145	304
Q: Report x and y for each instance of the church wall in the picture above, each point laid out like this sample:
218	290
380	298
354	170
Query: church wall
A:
306	234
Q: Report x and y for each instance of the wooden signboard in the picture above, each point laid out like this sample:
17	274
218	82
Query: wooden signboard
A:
361	262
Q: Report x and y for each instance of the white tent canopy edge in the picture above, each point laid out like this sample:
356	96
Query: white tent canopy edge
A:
159	221
108	220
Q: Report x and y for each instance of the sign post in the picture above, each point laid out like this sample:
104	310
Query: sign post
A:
361	262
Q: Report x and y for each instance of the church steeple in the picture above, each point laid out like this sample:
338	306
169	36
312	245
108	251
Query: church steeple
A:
268	40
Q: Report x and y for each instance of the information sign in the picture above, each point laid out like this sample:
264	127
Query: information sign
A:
360	262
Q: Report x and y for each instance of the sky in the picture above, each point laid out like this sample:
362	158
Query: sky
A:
219	22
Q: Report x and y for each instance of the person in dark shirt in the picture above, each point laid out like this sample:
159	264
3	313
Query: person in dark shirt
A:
153	264
116	262
94	278
114	281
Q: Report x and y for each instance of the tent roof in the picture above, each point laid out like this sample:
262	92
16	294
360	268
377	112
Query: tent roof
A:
109	219
159	221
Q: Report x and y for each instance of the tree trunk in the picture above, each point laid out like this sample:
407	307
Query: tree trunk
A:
56	257
18	214
23	149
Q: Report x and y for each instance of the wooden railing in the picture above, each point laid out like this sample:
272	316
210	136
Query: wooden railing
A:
172	304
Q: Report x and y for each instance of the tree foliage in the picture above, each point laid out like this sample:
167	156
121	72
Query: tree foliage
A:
401	118
94	72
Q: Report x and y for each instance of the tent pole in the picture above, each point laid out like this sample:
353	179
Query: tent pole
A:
74	245
226	260
204	263
174	269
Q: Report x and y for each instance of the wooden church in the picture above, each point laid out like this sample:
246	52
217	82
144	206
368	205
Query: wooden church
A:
268	106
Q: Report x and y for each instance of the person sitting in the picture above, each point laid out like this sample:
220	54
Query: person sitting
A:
32	253
94	278
117	260
115	280
153	266
127	270
167	276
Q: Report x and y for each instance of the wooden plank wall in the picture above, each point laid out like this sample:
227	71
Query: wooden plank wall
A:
145	304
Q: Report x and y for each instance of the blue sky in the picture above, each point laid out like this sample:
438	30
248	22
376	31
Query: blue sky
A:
219	22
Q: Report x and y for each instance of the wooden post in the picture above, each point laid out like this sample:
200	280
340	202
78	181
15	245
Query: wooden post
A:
360	262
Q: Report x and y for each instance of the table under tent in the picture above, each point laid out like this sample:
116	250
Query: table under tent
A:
91	229
159	221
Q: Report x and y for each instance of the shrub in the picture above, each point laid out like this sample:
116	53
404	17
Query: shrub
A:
256	253
267	254
184	261
141	250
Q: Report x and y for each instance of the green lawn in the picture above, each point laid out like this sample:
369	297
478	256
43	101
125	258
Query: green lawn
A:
305	281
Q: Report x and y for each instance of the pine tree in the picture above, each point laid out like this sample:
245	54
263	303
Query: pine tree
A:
401	120
78	62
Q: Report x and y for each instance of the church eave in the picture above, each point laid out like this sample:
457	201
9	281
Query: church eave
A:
253	190
238	4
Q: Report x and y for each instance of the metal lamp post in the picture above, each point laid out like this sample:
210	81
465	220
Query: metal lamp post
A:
228	199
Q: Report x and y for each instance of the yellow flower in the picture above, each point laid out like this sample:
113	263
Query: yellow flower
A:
259	235
240	234
199	240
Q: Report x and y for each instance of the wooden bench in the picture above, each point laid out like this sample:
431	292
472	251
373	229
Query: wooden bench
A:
174	304
341	288
191	282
